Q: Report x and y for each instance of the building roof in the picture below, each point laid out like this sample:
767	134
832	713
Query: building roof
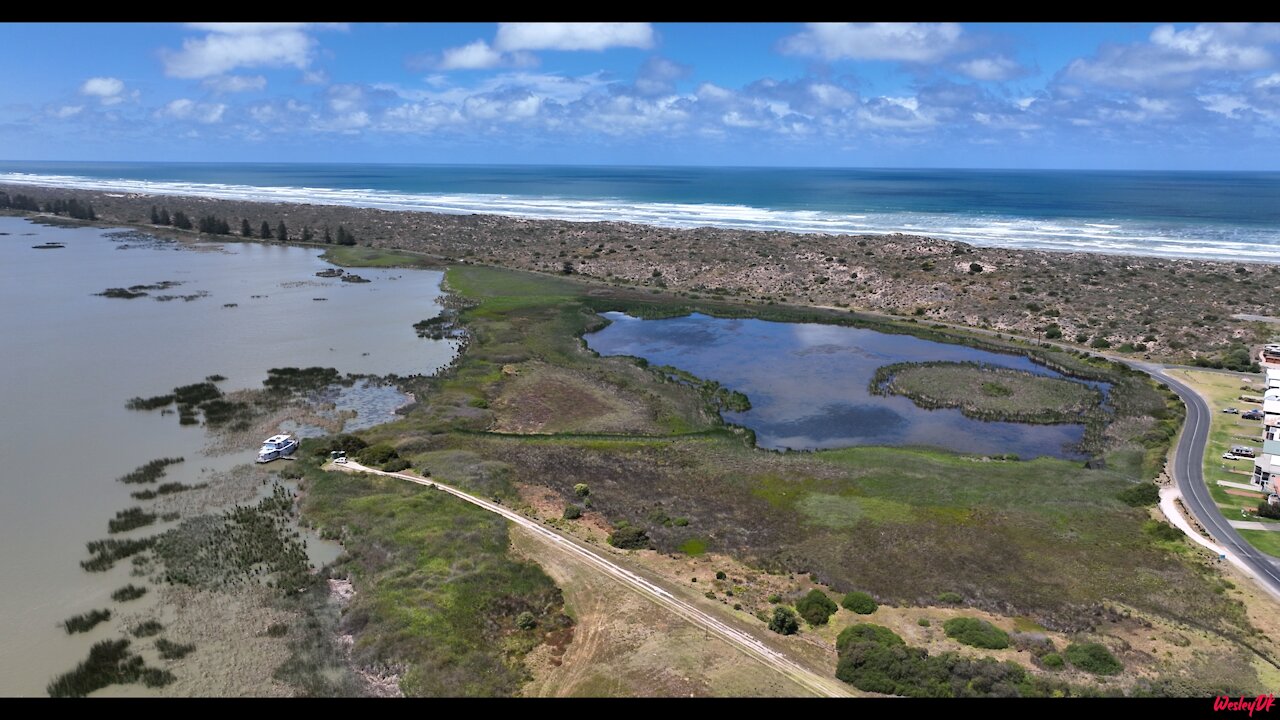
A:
1269	463
1271	405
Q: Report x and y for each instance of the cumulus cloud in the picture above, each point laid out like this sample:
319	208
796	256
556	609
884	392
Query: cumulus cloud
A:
994	69
903	42
1178	58
228	46
66	111
572	36
187	109
476	56
108	90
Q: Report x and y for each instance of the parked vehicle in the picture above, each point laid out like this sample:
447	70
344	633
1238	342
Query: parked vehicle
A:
1230	456
1243	451
1232	411
1254	414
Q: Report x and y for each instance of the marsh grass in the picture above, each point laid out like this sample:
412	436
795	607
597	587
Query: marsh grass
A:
109	663
150	472
128	592
165	489
170	650
85	621
147	628
131	519
106	552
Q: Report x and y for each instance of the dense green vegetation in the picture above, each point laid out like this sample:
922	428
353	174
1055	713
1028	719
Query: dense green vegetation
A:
629	537
150	472
105	553
815	607
1092	657
784	621
110	662
859	602
976	632
436	588
1141	495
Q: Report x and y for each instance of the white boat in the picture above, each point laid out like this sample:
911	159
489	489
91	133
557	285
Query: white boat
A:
277	446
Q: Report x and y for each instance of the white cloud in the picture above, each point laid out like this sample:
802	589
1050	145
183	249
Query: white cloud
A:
315	77
1224	104
1172	58
572	36
187	109
478	55
904	42
108	90
66	111
228	46
235	83
993	69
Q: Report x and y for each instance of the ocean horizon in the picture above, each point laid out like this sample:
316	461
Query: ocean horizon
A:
1230	216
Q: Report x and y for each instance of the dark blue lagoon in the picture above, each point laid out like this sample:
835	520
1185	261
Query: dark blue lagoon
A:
808	383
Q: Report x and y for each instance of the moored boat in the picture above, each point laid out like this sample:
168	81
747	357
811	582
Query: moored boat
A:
277	446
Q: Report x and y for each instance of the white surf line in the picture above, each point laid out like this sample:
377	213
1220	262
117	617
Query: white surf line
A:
741	640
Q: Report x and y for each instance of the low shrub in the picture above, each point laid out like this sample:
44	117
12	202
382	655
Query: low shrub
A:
629	538
1052	661
572	512
784	621
128	592
86	621
816	608
859	602
1093	657
975	632
950	598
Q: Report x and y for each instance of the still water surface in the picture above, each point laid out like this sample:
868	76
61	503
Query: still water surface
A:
807	383
70	359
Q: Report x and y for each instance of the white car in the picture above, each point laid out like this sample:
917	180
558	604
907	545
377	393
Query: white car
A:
1230	456
341	460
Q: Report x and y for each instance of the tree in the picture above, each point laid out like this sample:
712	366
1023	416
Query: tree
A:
581	490
245	229
328	239
306	235
567	268
784	621
816	607
344	237
164	217
629	537
572	512
265	232
181	221
155	216
282	232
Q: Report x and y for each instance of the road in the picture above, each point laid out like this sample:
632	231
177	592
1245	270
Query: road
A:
1188	471
744	641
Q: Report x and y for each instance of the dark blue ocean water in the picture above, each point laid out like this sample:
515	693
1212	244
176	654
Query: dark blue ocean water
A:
1233	216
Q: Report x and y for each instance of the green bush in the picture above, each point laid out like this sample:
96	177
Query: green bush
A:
86	621
629	538
950	598
867	633
775	598
1140	495
859	602
1093	657
128	592
720	575
1052	660
376	455
1267	510
1161	531
784	621
816	608
396	465
923	622
975	632
572	512
526	621
582	490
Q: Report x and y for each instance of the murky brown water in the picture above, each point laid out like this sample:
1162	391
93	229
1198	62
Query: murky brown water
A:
70	360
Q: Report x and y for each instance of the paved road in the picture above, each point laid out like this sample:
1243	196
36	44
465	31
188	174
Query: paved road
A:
1188	471
744	641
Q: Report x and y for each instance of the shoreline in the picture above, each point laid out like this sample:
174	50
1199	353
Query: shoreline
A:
1170	309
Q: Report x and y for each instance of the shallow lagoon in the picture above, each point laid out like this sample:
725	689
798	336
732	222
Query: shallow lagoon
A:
72	358
807	383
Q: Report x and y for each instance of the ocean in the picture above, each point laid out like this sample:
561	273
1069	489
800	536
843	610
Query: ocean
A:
1211	215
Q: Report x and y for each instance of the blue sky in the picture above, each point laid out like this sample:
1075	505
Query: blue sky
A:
1116	96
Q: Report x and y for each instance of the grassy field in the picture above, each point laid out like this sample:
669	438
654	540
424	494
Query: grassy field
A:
438	595
1046	540
989	392
360	256
1265	540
